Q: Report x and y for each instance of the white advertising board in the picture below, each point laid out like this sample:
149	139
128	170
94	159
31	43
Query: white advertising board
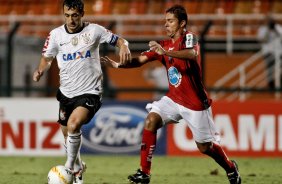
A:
28	126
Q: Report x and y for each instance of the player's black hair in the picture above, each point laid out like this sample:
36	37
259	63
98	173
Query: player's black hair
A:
179	12
76	4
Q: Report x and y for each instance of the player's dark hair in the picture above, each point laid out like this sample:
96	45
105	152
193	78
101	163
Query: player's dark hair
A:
75	4
179	12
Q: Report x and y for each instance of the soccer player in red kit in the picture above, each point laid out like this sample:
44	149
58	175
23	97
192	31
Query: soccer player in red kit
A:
186	99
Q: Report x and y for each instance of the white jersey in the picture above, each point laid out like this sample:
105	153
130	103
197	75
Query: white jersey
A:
78	58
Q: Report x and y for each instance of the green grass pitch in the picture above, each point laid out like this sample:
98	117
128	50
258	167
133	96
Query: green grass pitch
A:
114	169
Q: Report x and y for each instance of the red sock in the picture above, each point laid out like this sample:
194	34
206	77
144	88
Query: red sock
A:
148	146
217	153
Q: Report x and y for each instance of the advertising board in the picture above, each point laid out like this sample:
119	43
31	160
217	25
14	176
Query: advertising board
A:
29	127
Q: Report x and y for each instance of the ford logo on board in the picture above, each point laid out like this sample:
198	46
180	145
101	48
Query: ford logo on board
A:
115	129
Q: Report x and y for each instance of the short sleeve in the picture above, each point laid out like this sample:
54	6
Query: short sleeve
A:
191	41
50	48
105	35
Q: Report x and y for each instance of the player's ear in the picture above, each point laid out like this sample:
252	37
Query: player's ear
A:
183	23
82	13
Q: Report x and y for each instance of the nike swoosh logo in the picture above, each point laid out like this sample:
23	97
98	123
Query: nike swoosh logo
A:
89	104
61	44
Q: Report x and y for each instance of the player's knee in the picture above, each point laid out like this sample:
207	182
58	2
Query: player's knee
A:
74	125
150	124
204	147
153	122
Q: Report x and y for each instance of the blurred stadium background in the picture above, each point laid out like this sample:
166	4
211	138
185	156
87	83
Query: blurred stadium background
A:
247	112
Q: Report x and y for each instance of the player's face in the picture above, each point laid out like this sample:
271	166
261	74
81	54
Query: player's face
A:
72	19
172	26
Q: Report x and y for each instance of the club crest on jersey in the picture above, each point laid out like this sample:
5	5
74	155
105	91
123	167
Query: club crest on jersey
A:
174	76
74	41
86	38
76	55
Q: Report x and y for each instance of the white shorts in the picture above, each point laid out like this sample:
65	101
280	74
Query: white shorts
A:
200	122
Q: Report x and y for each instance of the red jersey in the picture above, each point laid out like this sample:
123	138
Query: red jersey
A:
185	76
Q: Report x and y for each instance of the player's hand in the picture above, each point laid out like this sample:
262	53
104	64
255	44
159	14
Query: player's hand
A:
124	54
154	46
109	62
37	75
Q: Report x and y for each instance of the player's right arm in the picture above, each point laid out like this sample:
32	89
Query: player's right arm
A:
43	66
134	63
49	53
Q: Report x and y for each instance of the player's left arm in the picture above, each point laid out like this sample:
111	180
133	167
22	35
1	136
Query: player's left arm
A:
124	52
187	53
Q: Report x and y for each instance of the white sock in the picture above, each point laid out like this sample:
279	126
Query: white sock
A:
78	162
66	150
73	147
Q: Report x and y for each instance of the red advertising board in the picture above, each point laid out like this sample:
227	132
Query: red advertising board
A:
252	128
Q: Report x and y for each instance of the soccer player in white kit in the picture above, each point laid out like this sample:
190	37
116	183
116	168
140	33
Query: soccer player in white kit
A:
186	98
75	46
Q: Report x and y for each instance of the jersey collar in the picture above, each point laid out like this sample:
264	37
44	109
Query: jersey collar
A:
82	27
